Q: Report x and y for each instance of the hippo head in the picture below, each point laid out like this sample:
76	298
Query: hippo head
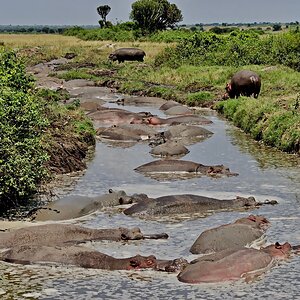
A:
278	251
112	57
255	221
131	234
142	262
248	202
176	265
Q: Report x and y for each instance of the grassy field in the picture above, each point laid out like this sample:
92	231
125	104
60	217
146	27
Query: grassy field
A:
274	117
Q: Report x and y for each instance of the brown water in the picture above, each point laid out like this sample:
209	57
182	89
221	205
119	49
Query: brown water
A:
263	173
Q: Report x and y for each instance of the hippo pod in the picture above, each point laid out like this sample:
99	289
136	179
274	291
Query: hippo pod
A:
130	54
233	264
180	167
244	83
187	203
60	234
86	258
235	235
72	207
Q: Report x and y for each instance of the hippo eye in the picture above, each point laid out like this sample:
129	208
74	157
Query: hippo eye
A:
134	263
110	191
277	245
121	200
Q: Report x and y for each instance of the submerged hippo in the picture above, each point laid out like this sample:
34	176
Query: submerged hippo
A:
244	83
60	234
186	134
71	207
169	148
233	264
238	234
87	258
110	117
130	54
186	203
185	119
127	132
179	167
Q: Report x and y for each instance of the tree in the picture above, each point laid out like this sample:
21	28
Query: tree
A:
103	11
154	15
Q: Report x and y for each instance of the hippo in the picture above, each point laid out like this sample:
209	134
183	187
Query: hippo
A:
233	264
127	132
178	110
184	119
71	207
186	134
129	54
87	258
187	204
167	105
244	83
62	234
238	234
115	116
177	168
170	148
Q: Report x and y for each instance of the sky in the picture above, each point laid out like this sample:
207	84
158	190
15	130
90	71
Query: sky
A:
83	12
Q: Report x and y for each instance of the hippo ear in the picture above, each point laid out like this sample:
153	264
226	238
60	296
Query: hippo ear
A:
252	218
110	191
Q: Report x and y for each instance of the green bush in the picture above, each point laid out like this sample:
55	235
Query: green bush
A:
199	97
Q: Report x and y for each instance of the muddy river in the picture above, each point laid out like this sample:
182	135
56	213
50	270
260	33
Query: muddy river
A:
263	173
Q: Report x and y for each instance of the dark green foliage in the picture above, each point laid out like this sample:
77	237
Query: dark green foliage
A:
153	15
22	157
236	49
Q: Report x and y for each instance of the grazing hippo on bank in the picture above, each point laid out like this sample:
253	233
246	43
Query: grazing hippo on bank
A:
61	234
233	264
170	148
130	54
187	204
87	258
72	207
244	83
177	167
238	234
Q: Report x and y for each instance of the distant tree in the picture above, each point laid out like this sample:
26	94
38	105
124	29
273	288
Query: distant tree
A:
154	15
276	27
103	11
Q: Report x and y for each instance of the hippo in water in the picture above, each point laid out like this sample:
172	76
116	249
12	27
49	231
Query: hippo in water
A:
87	258
129	54
244	83
61	234
187	204
233	264
71	207
169	148
184	119
178	168
238	234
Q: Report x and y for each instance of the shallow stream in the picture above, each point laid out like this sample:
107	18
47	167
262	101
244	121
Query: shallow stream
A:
263	173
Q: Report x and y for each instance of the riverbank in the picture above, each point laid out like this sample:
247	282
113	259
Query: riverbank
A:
274	118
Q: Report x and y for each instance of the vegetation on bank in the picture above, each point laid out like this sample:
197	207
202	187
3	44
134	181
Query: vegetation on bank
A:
29	121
